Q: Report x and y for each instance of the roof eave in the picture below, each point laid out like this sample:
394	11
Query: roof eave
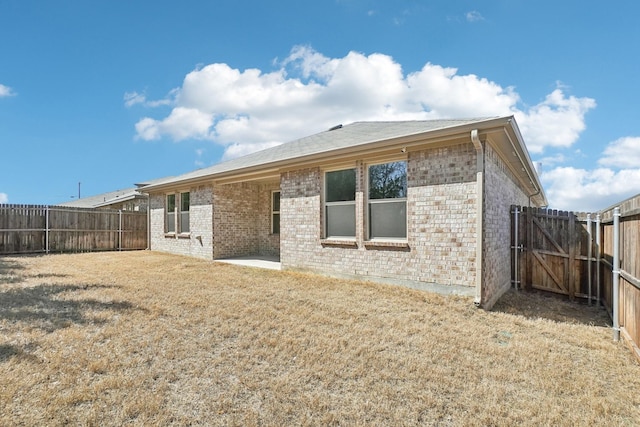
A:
515	154
405	141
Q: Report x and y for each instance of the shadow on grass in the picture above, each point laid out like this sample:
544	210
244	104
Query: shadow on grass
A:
8	351
43	308
10	271
540	305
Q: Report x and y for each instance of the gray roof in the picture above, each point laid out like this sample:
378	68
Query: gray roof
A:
340	137
104	199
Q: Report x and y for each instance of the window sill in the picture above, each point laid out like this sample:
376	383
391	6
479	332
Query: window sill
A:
339	243
397	245
177	236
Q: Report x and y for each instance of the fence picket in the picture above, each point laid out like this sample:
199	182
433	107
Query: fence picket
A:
49	229
560	249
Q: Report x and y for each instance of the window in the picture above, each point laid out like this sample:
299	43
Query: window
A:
275	212
340	203
388	200
184	212
177	221
171	214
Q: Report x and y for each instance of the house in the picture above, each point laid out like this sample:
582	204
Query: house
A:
419	203
129	199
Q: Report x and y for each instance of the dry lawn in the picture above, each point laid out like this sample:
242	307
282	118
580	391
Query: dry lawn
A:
143	338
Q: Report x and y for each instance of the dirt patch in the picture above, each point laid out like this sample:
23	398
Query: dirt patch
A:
145	338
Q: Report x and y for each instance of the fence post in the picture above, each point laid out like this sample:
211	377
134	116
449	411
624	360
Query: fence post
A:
598	249
516	246
589	255
46	230
120	230
529	241
616	272
572	256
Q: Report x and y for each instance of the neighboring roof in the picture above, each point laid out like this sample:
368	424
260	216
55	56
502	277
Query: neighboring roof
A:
105	199
112	197
358	135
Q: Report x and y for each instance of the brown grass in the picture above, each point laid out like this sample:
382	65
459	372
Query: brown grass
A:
144	338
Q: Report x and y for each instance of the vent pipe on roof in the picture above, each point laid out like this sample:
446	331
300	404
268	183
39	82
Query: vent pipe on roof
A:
336	127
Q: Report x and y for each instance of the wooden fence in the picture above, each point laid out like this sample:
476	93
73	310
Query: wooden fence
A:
551	252
628	272
573	255
28	229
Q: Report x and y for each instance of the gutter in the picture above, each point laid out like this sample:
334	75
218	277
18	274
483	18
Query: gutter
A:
479	213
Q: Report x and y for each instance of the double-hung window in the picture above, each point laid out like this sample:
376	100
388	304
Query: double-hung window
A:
275	212
340	203
177	213
387	200
171	214
184	212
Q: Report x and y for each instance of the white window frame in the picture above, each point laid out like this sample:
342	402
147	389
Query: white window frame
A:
275	212
170	223
339	203
371	202
176	219
182	228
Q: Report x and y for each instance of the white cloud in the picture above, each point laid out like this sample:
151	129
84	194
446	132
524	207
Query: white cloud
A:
133	98
182	123
576	189
583	190
474	16
622	153
237	150
441	92
4	198
307	92
557	158
555	122
6	91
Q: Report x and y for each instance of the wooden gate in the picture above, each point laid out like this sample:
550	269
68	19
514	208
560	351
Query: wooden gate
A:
551	252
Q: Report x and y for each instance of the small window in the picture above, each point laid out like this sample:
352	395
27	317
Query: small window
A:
275	212
388	200
340	203
170	225
184	212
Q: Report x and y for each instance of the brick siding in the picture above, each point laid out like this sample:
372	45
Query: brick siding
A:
441	231
501	191
242	220
199	241
235	220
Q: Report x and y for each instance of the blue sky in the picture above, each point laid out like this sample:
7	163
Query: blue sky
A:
112	93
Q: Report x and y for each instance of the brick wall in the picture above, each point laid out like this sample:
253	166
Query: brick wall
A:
268	243
198	242
300	219
235	228
242	220
441	231
501	191
441	225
